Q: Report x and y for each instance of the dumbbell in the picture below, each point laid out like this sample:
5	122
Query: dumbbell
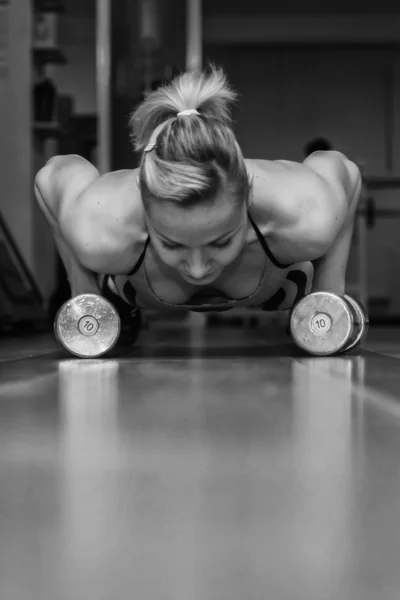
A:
323	323
87	325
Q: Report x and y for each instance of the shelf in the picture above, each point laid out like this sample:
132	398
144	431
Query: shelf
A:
48	129
48	55
384	182
54	6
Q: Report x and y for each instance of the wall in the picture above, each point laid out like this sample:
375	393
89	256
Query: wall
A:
286	98
15	124
127	64
289	95
78	76
219	7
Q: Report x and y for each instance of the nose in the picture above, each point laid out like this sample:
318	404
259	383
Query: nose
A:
197	267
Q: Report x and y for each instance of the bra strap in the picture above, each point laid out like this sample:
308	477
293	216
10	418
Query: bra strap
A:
265	247
141	259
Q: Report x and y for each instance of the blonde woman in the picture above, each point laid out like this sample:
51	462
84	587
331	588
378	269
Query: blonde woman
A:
197	225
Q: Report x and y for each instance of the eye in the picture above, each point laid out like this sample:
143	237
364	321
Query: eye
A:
171	246
221	244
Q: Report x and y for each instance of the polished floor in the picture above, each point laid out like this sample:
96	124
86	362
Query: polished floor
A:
204	464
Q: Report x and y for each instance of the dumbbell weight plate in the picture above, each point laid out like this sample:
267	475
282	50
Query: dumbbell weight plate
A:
87	325
361	322
322	323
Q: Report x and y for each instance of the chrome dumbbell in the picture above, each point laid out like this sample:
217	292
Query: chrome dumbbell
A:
323	323
87	325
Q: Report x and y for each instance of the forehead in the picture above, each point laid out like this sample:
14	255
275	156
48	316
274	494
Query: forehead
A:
173	221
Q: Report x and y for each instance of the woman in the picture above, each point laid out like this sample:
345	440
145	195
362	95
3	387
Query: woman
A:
197	225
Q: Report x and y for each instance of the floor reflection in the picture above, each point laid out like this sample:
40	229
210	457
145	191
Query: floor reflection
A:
322	443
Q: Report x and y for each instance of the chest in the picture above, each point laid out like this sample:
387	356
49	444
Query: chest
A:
236	282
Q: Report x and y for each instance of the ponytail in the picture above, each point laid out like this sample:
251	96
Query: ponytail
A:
192	155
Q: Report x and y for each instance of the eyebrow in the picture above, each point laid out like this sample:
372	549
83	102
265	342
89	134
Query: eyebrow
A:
221	237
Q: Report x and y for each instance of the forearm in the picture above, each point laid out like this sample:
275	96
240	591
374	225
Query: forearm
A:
330	269
81	280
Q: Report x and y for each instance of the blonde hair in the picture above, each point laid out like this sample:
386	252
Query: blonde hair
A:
193	157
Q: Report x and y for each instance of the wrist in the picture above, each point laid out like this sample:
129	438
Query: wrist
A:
339	290
327	279
85	286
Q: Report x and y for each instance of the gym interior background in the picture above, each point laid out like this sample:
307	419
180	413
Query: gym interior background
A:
212	463
324	70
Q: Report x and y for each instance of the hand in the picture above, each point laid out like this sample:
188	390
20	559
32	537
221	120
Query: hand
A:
83	283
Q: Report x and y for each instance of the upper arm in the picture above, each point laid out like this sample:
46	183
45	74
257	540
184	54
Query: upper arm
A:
98	217
105	225
308	206
341	177
337	190
322	204
61	181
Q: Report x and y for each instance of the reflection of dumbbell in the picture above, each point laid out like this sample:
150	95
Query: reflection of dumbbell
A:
87	325
323	323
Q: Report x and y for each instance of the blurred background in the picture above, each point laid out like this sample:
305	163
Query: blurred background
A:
72	71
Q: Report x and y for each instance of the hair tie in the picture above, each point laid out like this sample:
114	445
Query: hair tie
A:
187	112
150	146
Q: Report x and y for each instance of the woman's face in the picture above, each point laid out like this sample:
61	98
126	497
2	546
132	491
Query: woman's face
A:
198	242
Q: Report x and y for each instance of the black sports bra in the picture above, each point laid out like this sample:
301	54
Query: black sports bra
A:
259	235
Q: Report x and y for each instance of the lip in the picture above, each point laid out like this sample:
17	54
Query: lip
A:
199	281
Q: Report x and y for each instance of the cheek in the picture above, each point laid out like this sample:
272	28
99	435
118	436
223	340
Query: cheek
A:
168	257
229	254
225	257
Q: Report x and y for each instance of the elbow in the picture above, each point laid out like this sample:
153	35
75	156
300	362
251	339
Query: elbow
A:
44	175
45	180
354	172
41	177
354	189
41	185
54	164
353	180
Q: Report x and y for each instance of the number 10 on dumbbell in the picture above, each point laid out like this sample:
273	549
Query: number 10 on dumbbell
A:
323	323
87	326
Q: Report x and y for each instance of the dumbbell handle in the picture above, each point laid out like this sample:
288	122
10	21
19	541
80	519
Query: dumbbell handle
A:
362	322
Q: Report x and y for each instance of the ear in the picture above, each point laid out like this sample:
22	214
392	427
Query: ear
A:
249	198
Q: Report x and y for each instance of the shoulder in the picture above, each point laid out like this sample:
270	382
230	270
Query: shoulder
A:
114	201
299	207
66	176
105	219
322	176
341	175
112	231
